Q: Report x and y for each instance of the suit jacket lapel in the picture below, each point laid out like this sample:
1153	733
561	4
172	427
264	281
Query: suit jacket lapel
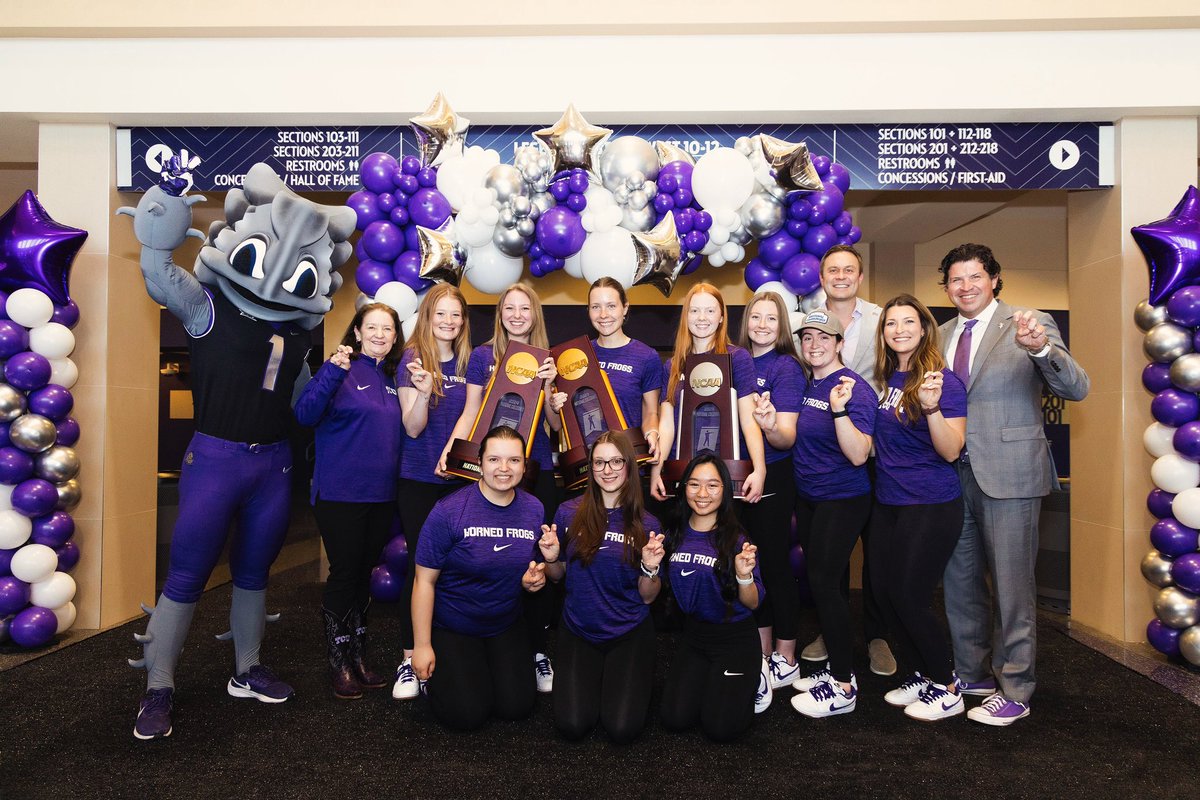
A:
1001	322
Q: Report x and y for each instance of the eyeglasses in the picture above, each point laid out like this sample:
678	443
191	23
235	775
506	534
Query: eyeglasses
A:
616	464
711	487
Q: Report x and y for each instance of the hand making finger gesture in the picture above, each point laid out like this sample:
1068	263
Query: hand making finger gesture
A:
548	544
764	411
929	393
534	577
1030	334
839	396
745	561
422	379
652	553
341	356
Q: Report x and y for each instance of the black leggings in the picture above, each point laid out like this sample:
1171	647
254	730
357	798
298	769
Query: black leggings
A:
541	608
828	531
769	524
911	546
713	679
354	535
417	499
476	677
609	682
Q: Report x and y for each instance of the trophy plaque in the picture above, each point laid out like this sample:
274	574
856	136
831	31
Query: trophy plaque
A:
706	420
590	410
514	398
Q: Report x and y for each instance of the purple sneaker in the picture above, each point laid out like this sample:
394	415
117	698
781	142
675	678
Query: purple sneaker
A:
983	688
999	710
154	714
261	684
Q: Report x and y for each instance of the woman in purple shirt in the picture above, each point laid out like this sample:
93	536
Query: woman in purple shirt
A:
351	402
433	388
917	517
610	557
714	577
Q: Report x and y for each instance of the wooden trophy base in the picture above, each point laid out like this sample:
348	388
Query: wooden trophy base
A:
463	461
738	472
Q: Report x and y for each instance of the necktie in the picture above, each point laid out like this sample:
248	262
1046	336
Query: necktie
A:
962	354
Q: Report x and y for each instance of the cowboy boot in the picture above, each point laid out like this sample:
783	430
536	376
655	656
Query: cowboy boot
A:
337	637
367	677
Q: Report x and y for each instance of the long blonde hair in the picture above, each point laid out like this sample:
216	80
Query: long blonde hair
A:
537	331
785	342
926	358
424	345
683	337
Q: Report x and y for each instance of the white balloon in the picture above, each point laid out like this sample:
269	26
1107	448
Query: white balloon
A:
790	300
1186	507
408	326
1157	439
726	218
63	372
476	233
1173	473
52	340
598	197
610	254
6	491
718	235
572	265
399	296
15	527
491	271
29	307
722	177
717	260
490	215
732	251
33	563
459	177
66	616
52	592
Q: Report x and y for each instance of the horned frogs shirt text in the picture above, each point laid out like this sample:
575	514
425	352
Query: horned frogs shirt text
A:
694	582
482	550
633	369
479	371
602	600
909	471
421	452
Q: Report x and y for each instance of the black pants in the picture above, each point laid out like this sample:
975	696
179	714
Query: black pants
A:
609	682
769	525
828	531
354	535
911	546
541	608
475	678
417	499
713	679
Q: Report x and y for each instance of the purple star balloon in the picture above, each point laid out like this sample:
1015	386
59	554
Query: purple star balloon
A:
1171	246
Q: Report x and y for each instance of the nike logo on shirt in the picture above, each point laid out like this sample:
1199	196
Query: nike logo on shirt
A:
602	547
360	388
734	674
496	548
686	572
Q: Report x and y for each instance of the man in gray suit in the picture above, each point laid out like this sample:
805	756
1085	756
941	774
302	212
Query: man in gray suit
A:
1004	356
841	278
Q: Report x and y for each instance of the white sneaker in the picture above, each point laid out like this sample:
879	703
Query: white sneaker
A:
909	692
820	676
782	673
544	673
815	650
826	700
936	703
764	695
406	686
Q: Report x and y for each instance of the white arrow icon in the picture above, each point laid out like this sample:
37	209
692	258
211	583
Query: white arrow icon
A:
1064	154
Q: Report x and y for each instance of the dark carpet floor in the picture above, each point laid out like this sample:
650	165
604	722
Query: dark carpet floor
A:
1097	731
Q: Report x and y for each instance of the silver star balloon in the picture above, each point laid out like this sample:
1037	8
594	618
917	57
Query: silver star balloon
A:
439	261
574	142
439	131
793	167
658	256
668	152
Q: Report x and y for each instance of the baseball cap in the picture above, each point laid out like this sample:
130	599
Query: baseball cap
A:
822	321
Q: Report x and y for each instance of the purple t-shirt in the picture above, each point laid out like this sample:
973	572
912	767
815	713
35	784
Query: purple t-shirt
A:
821	468
602	600
479	372
421	452
633	369
694	581
782	376
744	383
482	550
909	471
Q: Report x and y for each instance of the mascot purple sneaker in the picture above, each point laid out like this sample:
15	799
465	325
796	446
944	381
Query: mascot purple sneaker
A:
264	279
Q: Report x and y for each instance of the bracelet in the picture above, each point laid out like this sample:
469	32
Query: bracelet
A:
842	413
930	411
745	582
555	561
649	573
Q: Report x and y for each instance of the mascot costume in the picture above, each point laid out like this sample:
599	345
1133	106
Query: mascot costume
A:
263	280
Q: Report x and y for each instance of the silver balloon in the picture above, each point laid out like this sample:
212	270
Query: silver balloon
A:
1146	316
762	215
32	433
638	200
625	156
58	464
12	402
1156	568
521	206
507	218
812	301
1176	608
1185	372
69	494
509	241
740	236
361	301
1166	342
1189	645
526	227
508	182
668	152
637	219
542	202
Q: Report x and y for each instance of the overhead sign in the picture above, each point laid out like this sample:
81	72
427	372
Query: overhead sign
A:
1002	155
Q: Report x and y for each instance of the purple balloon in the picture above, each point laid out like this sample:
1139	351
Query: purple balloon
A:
663	202
27	371
1172	538
1184	306
14	338
14	595
695	240
560	232
801	274
429	208
386	202
560	191
693	263
408	184
796	229
683	197
1163	638
66	315
855	234
829	200
667	183
52	401
1159	502
703	221
401	198
68	556
578	182
412	240
383	241
819	239
758	273
366	210
1171	247
35	250
377	171
681	171
775	250
370	275
34	497
386	586
15	465
408	271
33	627
410	165
427	178
843	223
399	216
395	555
799	210
821	165
839	176
816	216
4	440
1174	407
6	561
577	203
68	432
53	530
1156	377
1187	440
1185	571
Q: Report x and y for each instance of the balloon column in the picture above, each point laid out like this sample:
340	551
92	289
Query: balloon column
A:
38	465
593	205
1171	323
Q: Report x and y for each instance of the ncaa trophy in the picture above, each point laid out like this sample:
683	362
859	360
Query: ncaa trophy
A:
706	420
